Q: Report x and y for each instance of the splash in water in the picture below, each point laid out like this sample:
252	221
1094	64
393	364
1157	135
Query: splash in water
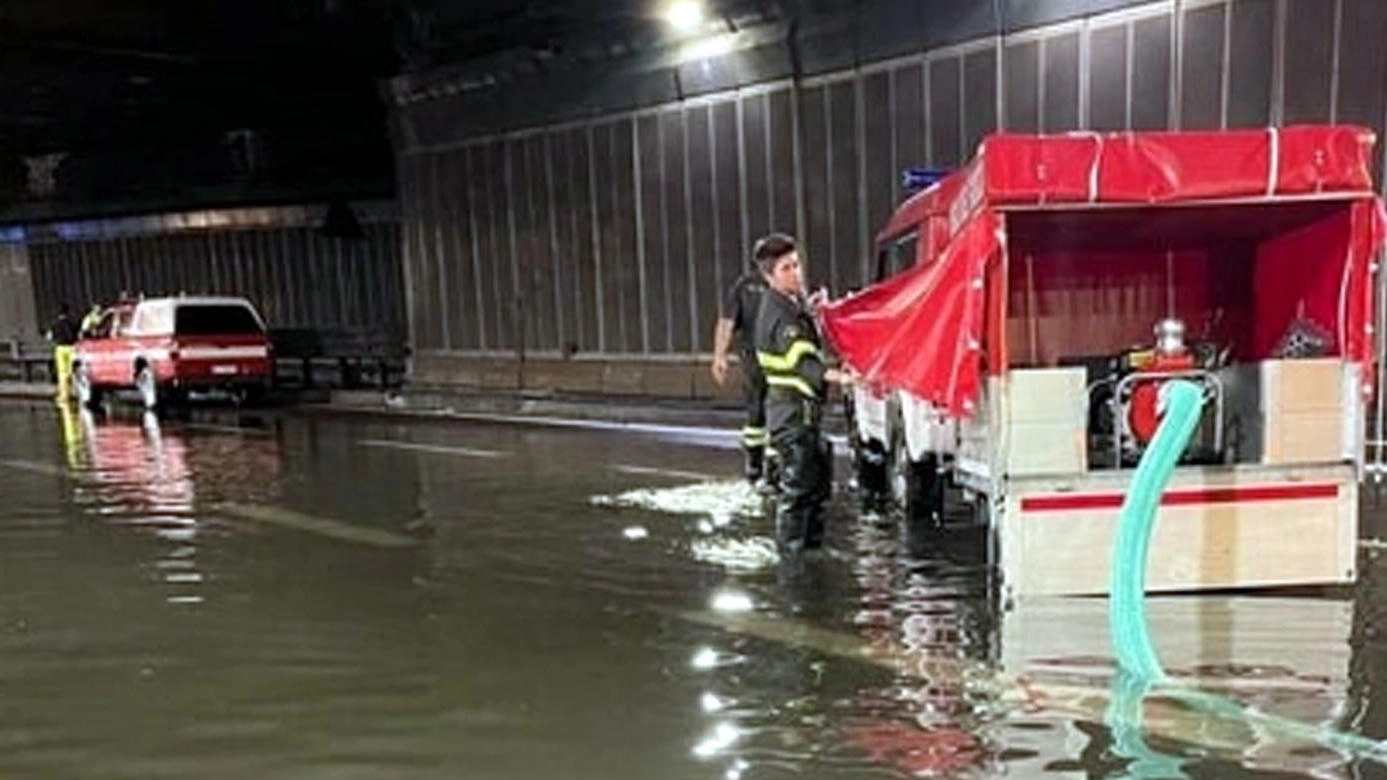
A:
719	506
758	552
718	501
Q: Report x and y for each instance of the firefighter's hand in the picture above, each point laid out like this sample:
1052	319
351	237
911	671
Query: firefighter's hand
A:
840	377
720	369
818	298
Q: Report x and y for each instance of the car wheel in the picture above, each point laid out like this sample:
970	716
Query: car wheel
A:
256	395
148	387
87	394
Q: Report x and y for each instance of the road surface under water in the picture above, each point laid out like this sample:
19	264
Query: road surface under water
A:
280	597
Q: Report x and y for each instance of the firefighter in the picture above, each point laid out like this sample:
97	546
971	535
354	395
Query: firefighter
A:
91	321
790	352
63	333
737	322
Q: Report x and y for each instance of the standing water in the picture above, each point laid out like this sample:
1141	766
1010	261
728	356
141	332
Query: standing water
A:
337	599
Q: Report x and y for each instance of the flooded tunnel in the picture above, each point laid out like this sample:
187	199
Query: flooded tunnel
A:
487	513
251	595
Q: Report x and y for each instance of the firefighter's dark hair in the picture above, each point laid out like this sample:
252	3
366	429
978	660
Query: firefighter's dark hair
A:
772	248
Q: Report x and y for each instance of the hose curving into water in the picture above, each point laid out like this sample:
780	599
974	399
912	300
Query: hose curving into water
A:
1181	403
1139	668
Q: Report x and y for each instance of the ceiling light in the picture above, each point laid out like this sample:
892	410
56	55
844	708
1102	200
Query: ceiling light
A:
684	15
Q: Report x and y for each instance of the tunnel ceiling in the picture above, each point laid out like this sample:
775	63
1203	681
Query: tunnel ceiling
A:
81	74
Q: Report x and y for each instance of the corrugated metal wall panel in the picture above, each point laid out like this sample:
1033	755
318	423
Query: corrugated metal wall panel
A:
816	173
652	215
756	151
623	265
1250	63
294	276
880	169
1310	58
532	247
703	252
908	127
979	98
1060	86
845	197
580	241
675	227
1107	79
729	243
462	304
1022	86
786	198
608	300
1150	96
944	91
1201	59
497	267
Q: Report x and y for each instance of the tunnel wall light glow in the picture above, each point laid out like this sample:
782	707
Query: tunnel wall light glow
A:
708	48
684	15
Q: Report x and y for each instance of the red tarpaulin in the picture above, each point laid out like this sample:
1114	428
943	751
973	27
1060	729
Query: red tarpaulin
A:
922	330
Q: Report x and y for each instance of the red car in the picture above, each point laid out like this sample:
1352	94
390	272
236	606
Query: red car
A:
164	347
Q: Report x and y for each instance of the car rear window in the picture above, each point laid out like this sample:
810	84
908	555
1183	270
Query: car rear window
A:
215	319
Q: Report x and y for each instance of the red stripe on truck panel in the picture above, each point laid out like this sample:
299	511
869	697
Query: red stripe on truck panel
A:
1234	495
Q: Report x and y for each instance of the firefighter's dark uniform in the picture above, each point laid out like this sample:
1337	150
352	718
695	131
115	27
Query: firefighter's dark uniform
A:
742	305
64	335
790	352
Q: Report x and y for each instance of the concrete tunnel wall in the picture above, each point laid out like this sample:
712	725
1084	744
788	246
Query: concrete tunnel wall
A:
574	231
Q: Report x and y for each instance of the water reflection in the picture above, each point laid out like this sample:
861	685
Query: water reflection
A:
143	473
131	472
1032	693
136	474
930	616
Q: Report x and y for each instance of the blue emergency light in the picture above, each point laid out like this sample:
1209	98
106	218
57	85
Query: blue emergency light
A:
916	179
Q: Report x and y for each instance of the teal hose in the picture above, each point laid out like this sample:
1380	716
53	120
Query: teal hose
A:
1139	668
1125	719
1181	403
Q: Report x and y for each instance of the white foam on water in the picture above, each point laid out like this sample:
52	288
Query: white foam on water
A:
757	552
719	506
635	532
719	501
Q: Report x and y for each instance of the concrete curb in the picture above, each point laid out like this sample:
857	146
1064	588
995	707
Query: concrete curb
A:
435	404
29	391
499	407
511	407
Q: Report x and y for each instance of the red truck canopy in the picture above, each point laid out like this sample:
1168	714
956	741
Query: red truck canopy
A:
1097	212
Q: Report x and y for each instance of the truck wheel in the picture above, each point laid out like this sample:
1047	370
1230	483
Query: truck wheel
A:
871	458
871	465
917	487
